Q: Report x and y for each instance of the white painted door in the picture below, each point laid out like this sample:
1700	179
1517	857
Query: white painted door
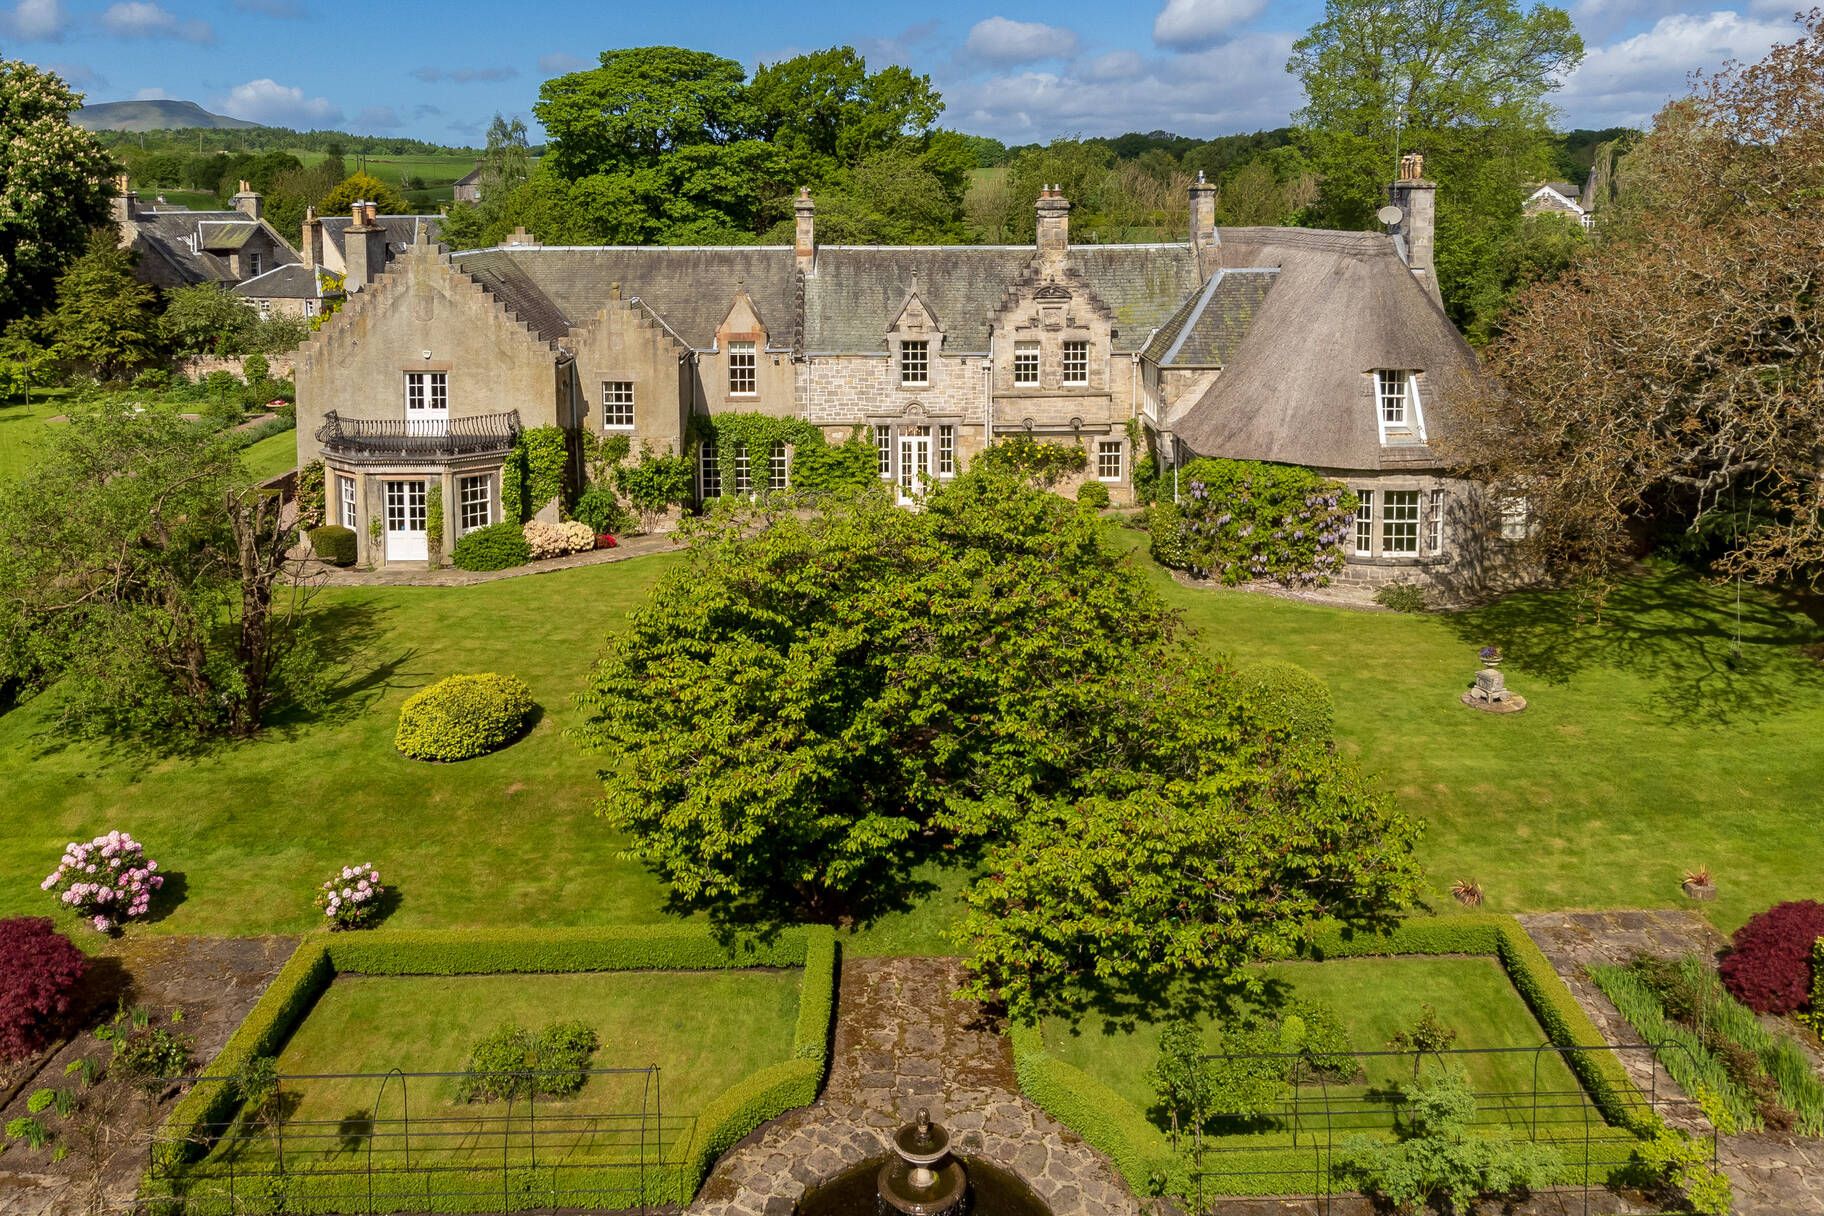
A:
427	403
405	535
914	467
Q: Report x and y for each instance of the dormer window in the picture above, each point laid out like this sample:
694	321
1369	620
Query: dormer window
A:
741	369
914	364
254	265
1398	413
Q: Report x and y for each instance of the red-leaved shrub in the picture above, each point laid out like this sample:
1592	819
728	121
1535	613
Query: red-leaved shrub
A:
1768	967
39	968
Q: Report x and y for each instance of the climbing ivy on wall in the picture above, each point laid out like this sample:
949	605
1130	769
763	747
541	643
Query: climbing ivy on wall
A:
1237	520
534	472
818	466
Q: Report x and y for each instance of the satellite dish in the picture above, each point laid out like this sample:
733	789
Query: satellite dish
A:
1390	215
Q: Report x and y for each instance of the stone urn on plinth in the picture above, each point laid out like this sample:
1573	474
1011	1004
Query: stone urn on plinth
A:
1490	692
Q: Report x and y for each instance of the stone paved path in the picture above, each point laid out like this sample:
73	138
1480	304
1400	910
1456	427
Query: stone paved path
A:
902	1043
1774	1174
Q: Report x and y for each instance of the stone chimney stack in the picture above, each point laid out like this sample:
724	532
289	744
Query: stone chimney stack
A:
312	245
519	238
805	246
126	203
1206	243
1054	222
363	247
247	201
372	210
1416	229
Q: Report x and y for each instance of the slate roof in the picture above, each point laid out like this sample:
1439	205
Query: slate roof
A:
691	287
173	237
294	282
1295	389
857	292
401	231
472	177
1209	326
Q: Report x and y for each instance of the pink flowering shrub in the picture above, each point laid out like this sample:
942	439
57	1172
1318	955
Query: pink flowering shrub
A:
351	899
107	881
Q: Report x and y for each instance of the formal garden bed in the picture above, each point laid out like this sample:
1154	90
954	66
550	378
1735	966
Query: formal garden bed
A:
1508	1026
689	1042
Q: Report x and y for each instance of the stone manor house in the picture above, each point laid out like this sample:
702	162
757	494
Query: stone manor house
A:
1317	348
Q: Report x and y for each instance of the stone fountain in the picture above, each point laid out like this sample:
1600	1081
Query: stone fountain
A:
921	1178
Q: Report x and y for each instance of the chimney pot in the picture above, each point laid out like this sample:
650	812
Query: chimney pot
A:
1054	222
1417	200
804	245
372	210
1205	240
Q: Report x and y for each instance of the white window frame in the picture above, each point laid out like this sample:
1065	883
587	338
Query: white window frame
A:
743	368
778	468
1434	522
310	308
744	472
1516	518
350	508
883	451
253	263
1028	364
914	363
427	402
1076	370
617	405
474	502
1364	523
709	470
1397	408
1106	449
946	449
1403	515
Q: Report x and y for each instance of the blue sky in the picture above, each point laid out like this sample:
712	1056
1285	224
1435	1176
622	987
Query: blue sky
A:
438	69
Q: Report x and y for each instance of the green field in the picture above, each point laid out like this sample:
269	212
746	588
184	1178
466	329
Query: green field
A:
1647	749
440	172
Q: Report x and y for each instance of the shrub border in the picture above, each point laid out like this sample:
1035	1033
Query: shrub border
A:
1146	1159
724	1121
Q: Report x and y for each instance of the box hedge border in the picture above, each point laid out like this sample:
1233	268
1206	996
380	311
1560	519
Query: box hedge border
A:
1145	1157
723	1122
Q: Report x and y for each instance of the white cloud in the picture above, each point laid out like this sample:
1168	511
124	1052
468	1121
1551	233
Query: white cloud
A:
79	75
1193	24
143	19
1241	85
1116	65
155	93
37	21
1626	83
267	101
999	40
559	62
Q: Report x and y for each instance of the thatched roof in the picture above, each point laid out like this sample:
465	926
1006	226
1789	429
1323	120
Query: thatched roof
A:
1297	388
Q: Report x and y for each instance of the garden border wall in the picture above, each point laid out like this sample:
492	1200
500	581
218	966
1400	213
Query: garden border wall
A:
1150	1165
724	1121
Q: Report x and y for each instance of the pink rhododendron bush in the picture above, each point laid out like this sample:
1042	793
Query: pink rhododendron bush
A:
108	881
351	898
557	540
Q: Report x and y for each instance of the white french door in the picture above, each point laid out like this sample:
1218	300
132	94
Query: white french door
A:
405	535
914	467
427	403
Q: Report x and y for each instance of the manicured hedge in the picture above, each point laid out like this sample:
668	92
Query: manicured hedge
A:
1144	1156
1288	698
200	1114
464	716
334	544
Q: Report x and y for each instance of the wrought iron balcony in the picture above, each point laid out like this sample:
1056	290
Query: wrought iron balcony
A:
418	438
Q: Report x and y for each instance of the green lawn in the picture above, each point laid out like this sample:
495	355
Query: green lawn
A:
21	427
1375	997
272	455
1643	753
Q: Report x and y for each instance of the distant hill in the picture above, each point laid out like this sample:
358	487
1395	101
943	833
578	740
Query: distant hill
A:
154	116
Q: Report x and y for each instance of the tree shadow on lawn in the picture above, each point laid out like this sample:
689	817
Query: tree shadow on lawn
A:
1670	628
347	636
762	911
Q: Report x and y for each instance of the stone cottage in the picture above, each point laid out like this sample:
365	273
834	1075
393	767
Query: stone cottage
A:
236	249
1242	342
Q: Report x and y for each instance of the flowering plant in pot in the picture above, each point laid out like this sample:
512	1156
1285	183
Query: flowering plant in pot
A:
350	899
1490	656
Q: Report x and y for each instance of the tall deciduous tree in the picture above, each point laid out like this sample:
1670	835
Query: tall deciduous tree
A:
640	104
104	323
1462	81
55	184
1675	376
141	574
365	188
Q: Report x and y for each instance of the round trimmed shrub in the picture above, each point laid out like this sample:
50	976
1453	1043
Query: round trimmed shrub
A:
1093	494
464	716
1768	967
495	547
39	969
1288	698
334	544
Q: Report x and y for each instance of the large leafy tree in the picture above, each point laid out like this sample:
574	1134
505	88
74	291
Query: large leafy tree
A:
812	704
1463	81
1674	377
640	104
142	576
55	182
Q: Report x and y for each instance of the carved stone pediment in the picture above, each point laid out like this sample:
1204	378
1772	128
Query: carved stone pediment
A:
1052	293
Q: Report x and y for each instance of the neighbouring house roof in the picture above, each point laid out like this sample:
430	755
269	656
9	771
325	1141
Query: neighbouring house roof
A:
402	231
471	178
295	282
190	243
1295	389
1207	328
